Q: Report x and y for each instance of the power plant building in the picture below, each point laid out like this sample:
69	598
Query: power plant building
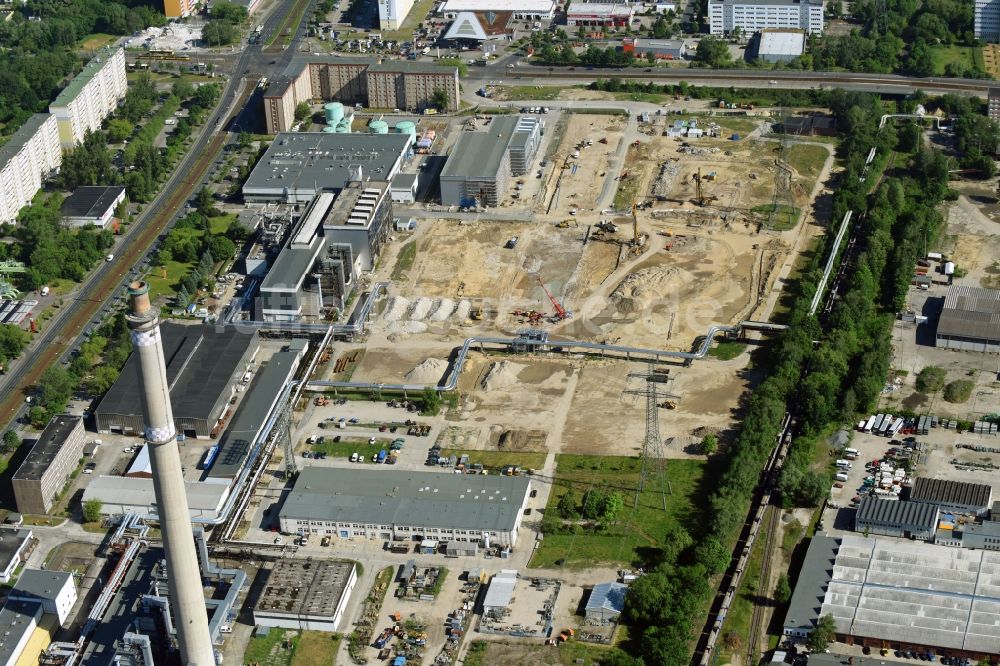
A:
305	595
298	166
204	367
481	164
49	464
751	16
388	504
36	606
27	159
90	97
970	320
120	496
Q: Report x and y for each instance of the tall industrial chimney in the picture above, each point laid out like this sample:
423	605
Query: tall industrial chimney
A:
186	594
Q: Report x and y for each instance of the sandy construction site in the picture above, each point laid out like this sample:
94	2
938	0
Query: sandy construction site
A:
701	263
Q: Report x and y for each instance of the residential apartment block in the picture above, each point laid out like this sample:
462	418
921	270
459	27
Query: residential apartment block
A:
751	16
49	464
179	8
90	97
391	13
30	155
391	84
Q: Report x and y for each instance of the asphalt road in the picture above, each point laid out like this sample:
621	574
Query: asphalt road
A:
66	330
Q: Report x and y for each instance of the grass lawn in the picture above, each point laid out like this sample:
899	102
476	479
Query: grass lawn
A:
96	41
785	216
219	225
625	195
639	529
162	279
944	55
807	160
497	460
726	350
316	648
515	93
404	262
652	98
483	653
269	649
740	613
348	445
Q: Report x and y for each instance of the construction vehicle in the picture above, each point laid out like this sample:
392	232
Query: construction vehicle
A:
668	404
476	312
565	224
321	401
608	226
561	313
637	241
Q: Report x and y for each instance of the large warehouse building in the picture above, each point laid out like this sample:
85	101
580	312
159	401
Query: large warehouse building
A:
49	465
481	164
379	84
900	595
389	504
953	496
911	520
298	166
970	320
204	366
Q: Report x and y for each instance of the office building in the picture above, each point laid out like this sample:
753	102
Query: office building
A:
899	595
92	205
599	14
750	16
482	164
204	367
14	545
776	45
970	320
883	517
392	13
953	496
90	97
49	465
379	84
305	595
523	10
27	159
387	504
299	166
662	49
986	20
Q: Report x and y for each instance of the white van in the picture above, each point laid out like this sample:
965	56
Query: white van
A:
841	476
844	464
851	454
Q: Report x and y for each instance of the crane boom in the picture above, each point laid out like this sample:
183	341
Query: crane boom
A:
560	310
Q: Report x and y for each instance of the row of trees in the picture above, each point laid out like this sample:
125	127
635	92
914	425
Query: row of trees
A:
822	383
39	55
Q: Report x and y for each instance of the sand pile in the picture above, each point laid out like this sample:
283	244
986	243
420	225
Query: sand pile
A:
463	309
444	310
501	375
638	290
396	309
522	440
430	371
421	308
407	327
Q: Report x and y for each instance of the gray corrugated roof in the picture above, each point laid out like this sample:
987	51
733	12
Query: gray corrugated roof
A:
252	414
908	516
479	154
608	597
942	491
22	136
971	312
810	588
91	200
402	497
40	584
201	361
290	267
47	446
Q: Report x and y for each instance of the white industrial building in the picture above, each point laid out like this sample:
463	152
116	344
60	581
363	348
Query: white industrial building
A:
120	495
38	603
781	45
30	156
970	320
56	590
521	9
986	21
392	13
751	16
90	97
305	594
389	504
500	593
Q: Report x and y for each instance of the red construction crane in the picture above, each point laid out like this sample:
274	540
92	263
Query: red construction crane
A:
560	310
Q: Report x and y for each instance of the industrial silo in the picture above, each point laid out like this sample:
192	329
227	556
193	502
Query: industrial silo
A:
334	112
378	127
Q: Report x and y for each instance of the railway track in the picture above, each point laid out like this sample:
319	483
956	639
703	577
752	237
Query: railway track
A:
757	624
91	298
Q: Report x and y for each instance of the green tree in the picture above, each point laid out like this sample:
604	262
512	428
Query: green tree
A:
55	387
11	442
958	391
440	99
119	130
430	401
711	554
302	111
782	590
709	444
183	88
102	379
220	247
244	140
204	201
567	506
593	500
930	379
92	510
223	10
219	33
712	52
611	507
13	340
822	634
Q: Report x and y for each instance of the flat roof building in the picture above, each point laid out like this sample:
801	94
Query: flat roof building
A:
970	320
662	49
405	505
953	496
481	165
49	465
985	535
14	546
894	594
602	14
305	594
299	166
54	590
120	496
776	45
91	96
751	16
500	593
204	366
910	520
606	602
92	205
521	9
27	159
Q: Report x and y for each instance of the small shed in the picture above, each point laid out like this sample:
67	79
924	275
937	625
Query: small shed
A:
500	593
461	549
606	602
406	571
428	546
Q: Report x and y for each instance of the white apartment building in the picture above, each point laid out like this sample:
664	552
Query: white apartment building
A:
392	12
25	161
90	97
987	20
751	16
